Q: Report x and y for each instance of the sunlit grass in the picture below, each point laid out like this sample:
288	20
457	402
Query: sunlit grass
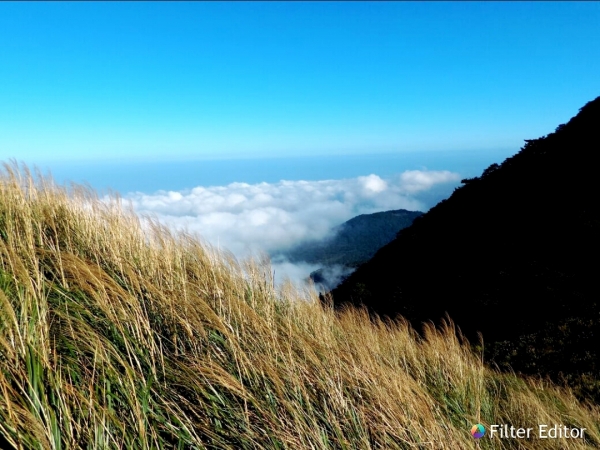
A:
117	333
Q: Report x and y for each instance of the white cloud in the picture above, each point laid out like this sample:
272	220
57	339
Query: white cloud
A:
373	184
270	217
295	272
417	180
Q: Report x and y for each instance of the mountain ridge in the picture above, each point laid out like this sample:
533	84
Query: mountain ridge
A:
503	255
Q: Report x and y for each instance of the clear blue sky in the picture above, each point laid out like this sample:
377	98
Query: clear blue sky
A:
176	81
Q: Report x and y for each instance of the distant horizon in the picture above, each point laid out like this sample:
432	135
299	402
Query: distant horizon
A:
150	176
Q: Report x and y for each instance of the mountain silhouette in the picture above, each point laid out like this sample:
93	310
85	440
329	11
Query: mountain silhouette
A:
512	254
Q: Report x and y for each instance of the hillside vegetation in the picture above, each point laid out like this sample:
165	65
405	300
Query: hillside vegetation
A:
117	334
512	254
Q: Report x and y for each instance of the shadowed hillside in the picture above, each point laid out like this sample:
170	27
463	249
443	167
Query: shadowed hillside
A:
512	254
117	334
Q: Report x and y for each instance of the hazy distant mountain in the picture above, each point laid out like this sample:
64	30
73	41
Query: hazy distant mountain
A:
356	240
513	253
352	243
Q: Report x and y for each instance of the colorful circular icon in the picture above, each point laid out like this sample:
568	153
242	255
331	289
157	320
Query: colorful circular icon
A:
478	431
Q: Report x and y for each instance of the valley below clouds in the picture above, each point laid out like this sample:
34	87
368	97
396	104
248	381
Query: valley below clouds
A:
270	218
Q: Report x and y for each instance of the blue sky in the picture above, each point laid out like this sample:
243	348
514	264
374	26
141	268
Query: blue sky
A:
157	81
195	112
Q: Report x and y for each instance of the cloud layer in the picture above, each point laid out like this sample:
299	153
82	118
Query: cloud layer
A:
271	217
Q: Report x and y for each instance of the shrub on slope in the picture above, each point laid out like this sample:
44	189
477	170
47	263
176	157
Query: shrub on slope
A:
116	333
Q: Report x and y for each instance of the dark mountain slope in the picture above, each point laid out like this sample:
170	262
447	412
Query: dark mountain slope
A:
513	254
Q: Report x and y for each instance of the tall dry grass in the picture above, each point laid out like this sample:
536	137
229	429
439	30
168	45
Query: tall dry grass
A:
120	334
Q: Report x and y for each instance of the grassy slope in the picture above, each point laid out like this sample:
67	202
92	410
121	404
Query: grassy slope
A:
117	334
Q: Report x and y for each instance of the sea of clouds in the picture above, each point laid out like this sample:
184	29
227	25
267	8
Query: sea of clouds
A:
269	218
